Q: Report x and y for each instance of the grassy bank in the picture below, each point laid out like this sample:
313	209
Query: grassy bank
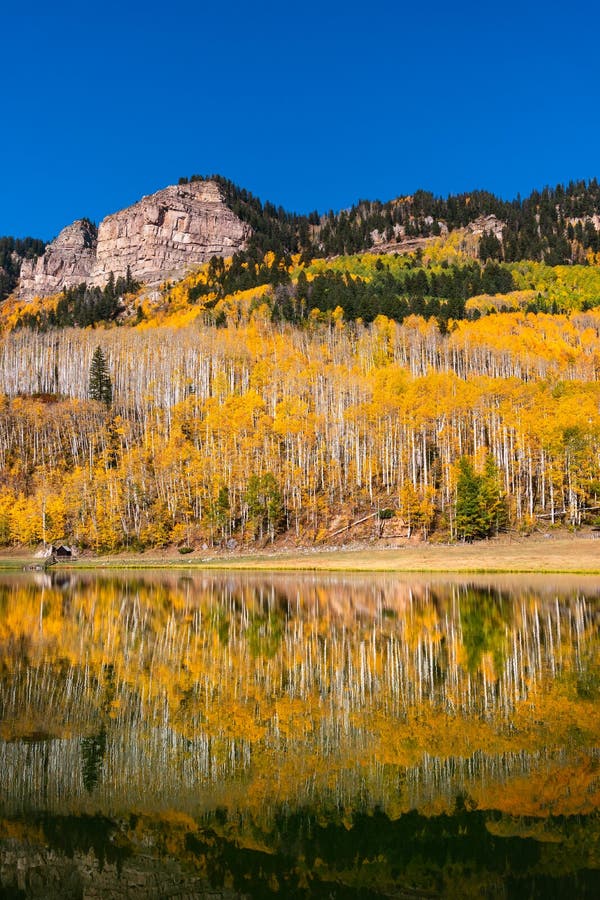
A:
17	560
539	554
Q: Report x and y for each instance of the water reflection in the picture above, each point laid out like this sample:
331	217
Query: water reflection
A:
266	697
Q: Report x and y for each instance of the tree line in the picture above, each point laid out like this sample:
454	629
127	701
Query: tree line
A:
555	225
82	305
415	291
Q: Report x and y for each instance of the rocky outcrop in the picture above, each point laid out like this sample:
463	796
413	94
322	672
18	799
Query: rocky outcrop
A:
486	224
159	238
166	234
67	261
584	220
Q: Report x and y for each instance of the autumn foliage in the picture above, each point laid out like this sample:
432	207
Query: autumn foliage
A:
227	423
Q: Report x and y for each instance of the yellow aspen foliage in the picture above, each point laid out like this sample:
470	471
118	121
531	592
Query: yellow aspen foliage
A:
25	520
6	505
55	518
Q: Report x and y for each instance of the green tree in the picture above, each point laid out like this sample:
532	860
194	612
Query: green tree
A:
264	504
470	516
100	384
489	246
480	502
485	618
219	513
93	750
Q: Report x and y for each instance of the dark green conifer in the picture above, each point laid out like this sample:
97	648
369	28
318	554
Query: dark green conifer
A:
480	503
100	384
470	517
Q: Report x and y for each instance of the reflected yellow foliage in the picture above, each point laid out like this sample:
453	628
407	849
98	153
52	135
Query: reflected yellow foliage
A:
274	689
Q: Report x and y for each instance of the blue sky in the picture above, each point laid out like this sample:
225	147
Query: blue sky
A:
310	106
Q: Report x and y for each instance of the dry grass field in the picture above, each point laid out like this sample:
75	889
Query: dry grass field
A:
535	554
575	555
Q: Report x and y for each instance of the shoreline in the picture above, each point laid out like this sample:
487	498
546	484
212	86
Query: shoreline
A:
575	555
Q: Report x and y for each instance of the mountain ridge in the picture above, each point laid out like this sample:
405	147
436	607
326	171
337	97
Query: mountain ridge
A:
165	234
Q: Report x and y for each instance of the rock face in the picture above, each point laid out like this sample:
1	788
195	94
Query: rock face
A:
489	224
159	238
166	234
67	261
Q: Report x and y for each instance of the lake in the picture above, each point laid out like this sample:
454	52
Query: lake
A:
221	735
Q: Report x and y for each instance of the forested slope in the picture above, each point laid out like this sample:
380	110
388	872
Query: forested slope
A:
556	225
257	428
282	393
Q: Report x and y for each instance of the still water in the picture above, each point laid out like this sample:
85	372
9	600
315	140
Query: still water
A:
193	735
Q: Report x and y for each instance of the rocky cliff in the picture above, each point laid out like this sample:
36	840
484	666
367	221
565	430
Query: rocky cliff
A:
67	261
159	238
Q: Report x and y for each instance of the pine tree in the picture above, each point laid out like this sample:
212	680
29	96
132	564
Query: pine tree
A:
489	246
100	384
480	503
470	517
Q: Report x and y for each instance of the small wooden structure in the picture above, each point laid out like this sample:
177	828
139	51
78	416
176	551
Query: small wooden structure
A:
48	555
61	551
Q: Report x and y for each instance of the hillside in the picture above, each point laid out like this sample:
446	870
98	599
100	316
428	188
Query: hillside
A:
254	429
168	233
279	397
558	225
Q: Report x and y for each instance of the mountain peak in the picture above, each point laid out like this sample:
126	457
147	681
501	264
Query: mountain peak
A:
158	238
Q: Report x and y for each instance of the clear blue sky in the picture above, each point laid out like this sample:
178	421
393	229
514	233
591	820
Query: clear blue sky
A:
310	105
